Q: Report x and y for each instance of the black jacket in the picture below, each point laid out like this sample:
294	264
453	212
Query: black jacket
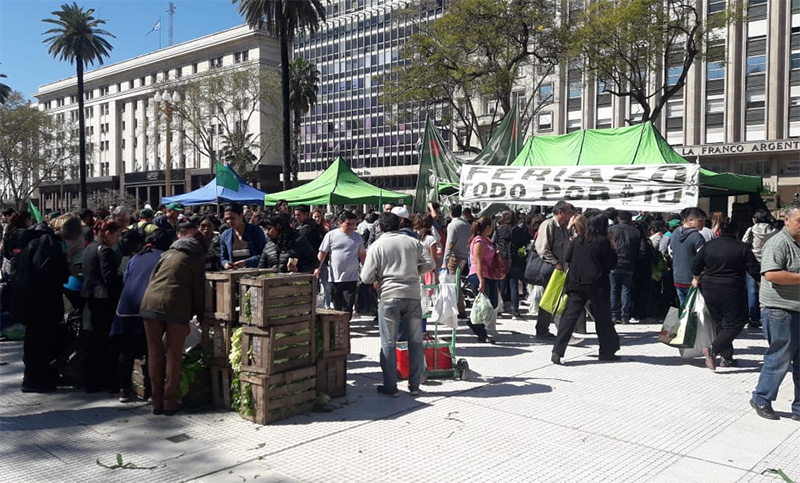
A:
626	241
589	262
213	256
101	279
276	254
724	261
312	233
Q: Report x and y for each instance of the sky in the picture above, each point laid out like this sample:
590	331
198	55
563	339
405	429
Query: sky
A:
27	65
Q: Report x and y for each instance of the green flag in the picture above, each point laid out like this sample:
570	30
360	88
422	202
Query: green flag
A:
227	178
37	215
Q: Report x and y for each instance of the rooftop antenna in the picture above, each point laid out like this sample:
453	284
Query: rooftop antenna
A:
171	12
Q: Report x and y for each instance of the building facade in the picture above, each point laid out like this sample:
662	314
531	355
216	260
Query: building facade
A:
359	42
126	128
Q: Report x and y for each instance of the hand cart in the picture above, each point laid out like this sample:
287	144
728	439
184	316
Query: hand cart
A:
440	353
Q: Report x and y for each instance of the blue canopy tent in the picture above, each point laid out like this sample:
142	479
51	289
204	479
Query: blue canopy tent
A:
213	193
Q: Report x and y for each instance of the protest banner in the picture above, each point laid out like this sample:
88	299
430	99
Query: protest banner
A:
662	187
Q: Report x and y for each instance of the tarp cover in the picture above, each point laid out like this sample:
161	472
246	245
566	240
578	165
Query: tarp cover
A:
638	144
337	185
213	194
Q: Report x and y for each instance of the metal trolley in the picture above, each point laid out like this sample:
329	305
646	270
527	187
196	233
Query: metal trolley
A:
440	350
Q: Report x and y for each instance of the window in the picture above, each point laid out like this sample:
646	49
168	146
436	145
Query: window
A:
130	84
104	91
674	74
601	86
795	62
754	97
519	99
756	64
490	107
675	108
715	70
153	78
546	93
715	105
142	81
575	90
215	63
104	109
573	125
242	56
179	72
194	68
715	6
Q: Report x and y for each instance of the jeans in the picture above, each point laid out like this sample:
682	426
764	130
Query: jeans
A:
513	288
752	299
782	330
394	315
683	292
621	282
344	295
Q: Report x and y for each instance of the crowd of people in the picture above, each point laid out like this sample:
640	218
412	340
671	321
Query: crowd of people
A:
136	278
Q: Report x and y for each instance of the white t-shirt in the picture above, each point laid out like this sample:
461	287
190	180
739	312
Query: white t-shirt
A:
342	249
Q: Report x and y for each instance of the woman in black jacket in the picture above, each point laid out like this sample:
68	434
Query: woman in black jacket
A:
102	286
591	258
286	250
207	227
719	270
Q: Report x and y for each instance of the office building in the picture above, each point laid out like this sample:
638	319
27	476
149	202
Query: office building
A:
125	130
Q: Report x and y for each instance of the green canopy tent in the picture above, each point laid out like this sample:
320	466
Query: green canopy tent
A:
338	185
638	144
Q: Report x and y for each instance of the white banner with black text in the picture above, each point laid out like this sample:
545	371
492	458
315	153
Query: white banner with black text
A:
660	187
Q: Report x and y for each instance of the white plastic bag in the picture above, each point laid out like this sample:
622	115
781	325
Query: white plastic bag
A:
535	295
482	311
194	336
705	330
445	306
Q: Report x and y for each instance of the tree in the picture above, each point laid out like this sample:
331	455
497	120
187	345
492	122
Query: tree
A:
477	51
5	91
77	39
222	105
303	89
34	148
643	49
284	19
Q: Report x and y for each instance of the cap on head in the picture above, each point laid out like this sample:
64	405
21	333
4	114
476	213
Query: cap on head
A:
400	211
174	206
147	213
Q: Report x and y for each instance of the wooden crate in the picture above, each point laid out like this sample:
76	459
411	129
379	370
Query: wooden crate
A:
221	379
278	300
277	349
332	376
332	333
222	292
280	396
216	340
138	379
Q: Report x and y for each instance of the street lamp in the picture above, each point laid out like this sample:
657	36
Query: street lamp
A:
166	103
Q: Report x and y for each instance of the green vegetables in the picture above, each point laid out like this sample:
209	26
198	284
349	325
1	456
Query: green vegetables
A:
241	393
192	364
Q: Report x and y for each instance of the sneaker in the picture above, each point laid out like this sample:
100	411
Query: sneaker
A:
517	314
124	396
575	341
382	390
708	353
765	411
609	357
415	391
546	336
754	324
617	321
556	359
728	362
796	417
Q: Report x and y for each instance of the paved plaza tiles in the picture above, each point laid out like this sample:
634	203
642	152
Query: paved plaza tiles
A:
651	417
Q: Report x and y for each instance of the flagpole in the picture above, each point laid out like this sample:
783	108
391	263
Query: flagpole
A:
159	32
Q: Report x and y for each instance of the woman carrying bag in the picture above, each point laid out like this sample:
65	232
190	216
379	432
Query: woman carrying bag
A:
482	256
591	258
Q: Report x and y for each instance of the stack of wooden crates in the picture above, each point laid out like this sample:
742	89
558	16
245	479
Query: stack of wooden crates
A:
219	321
282	366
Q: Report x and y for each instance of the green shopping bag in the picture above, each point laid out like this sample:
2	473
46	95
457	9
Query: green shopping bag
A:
680	327
554	300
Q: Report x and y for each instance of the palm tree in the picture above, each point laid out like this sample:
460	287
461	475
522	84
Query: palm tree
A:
284	19
5	91
303	88
77	39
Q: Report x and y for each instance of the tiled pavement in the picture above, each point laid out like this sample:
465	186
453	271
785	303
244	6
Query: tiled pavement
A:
651	417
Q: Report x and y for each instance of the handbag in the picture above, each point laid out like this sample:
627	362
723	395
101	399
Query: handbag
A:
499	267
680	326
537	271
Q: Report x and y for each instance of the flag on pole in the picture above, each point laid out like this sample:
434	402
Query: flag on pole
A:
37	215
227	178
157	26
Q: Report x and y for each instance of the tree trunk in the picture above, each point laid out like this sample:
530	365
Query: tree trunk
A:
81	135
296	147
287	127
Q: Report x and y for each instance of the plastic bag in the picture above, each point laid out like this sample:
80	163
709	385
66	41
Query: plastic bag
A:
554	300
680	329
706	333
482	311
535	293
445	306
193	338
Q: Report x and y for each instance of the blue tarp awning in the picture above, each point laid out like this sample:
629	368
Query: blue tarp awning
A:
212	194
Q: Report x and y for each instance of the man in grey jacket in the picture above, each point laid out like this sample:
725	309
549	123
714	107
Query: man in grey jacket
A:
456	250
396	261
551	245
